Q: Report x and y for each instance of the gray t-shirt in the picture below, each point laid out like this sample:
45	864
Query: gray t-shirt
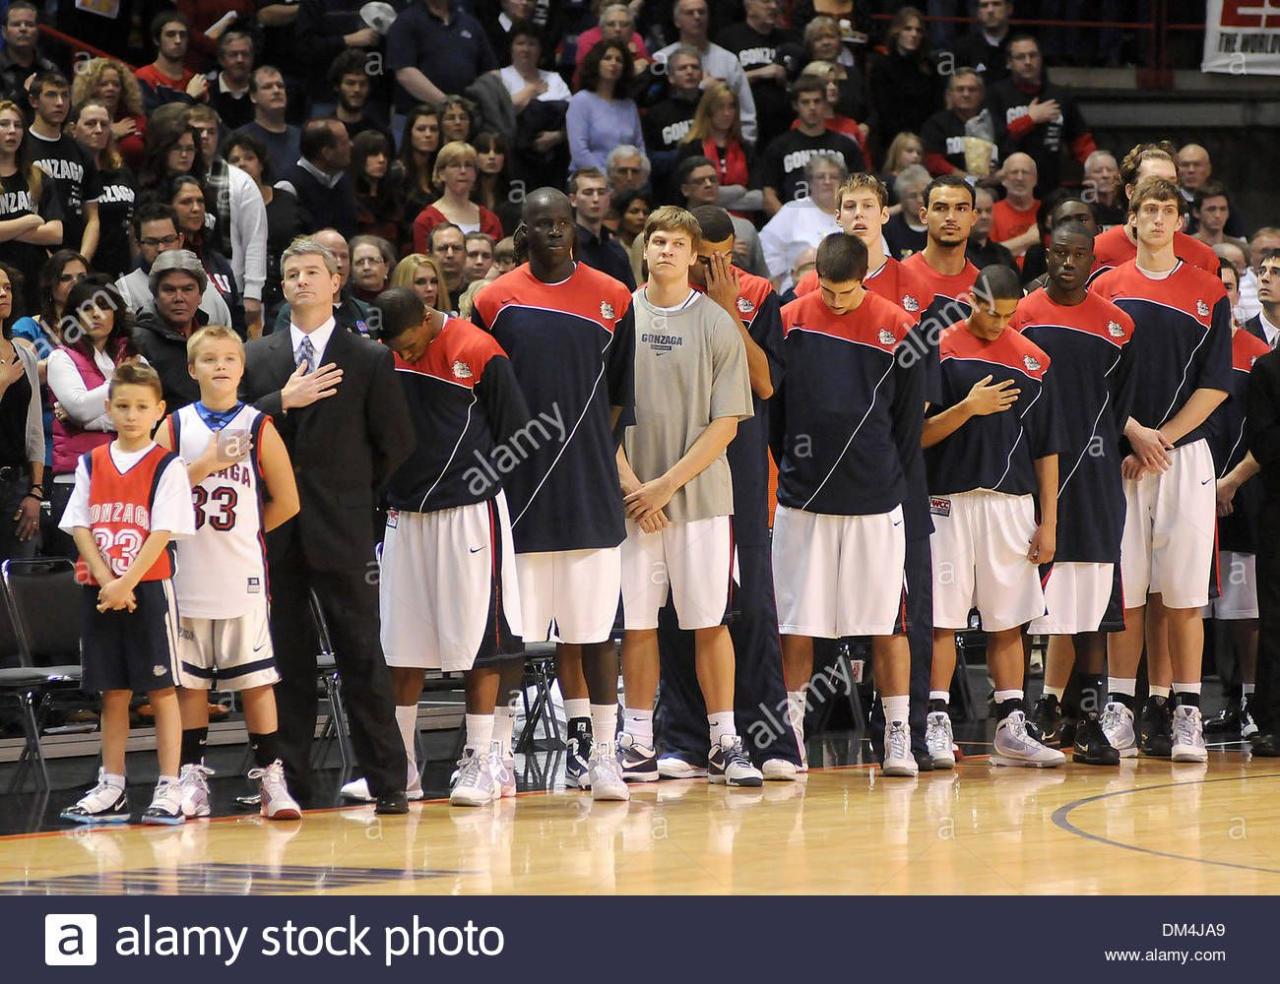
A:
691	369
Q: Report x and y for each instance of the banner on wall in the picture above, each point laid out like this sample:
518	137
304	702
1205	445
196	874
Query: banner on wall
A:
1242	37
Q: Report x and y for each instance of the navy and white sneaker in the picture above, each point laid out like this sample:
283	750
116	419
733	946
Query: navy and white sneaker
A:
104	803
639	762
577	756
728	764
166	805
674	767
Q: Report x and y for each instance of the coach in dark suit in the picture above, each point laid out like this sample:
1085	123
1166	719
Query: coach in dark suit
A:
334	398
1262	431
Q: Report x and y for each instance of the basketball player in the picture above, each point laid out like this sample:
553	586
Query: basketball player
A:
943	269
1119	244
692	388
450	598
131	499
992	451
847	421
1182	339
1087	339
242	486
760	696
568	330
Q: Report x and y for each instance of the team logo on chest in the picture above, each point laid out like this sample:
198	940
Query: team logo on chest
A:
1031	362
909	303
1114	330
606	311
886	337
745	305
1202	309
462	370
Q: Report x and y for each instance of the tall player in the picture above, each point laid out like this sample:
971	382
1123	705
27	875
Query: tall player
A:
242	487
847	422
1182	339
949	214
450	598
568	330
692	389
863	209
759	691
1088	340
992	450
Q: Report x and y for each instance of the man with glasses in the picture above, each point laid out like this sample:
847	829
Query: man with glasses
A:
155	227
698	180
448	245
596	247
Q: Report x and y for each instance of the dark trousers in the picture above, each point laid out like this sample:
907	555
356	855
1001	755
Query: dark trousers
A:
12	492
1265	705
760	694
349	599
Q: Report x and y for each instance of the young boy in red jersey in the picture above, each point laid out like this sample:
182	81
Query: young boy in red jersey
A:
131	498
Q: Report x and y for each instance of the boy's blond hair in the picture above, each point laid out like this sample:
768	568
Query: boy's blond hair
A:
673	218
135	374
212	333
862	181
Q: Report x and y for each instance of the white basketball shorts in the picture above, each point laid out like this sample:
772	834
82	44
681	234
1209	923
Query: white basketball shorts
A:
570	595
1081	597
227	653
693	563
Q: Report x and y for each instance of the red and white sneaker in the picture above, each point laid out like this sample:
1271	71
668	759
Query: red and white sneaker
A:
277	803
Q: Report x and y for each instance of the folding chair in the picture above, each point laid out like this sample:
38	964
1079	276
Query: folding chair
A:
38	626
540	673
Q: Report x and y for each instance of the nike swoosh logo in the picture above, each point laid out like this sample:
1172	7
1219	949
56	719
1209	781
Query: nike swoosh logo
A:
1206	481
898	523
475	549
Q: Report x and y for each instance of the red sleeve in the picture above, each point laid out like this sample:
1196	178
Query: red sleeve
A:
490	224
1082	146
427	220
1020	127
641	50
938	164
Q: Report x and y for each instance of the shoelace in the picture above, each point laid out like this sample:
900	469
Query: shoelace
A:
1112	717
1187	729
100	789
469	770
897	741
1017	726
202	773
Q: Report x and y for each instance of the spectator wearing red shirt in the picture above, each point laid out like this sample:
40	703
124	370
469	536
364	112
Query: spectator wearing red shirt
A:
1013	220
167	79
455	174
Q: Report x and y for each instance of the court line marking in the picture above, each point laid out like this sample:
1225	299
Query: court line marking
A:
1060	820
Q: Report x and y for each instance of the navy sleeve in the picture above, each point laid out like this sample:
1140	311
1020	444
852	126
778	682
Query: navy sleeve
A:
1123	384
1262	423
925	351
390	428
499	395
1213	361
621	369
909	377
766	331
1042	421
778	420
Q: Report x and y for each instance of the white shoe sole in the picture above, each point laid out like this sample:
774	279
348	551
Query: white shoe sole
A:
902	770
943	762
607	794
1128	753
199	813
469	801
1190	754
748	782
780	770
284	813
1018	763
680	769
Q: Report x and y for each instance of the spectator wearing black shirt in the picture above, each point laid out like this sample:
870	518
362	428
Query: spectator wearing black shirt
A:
22	447
982	251
90	125
320	178
187	199
20	59
353	86
68	167
270	98
984	49
781	171
30	214
229	83
418	149
1035	117
285	218
596	246
906	232
437	49
668	121
905	88
948	146
177	280
379	204
324	29
770	56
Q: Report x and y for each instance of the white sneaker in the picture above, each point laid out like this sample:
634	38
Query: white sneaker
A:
195	790
1014	746
104	803
1248	726
795	717
1188	735
166	804
476	785
1117	725
674	767
358	789
728	764
939	740
898	760
780	770
504	770
606	774
277	802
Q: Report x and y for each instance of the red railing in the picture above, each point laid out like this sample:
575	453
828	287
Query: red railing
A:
77	44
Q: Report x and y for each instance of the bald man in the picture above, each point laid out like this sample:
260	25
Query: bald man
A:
1195	167
1013	219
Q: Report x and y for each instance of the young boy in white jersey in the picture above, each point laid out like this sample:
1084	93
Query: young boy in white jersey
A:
242	486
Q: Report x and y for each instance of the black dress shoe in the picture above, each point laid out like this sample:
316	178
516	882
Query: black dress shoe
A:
391	804
924	761
1265	746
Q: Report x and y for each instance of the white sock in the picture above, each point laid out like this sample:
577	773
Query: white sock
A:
1183	688
942	695
577	707
604	722
479	732
504	722
1122	685
407	719
796	708
639	725
116	782
721	723
1159	692
1247	689
1054	692
897	709
1004	695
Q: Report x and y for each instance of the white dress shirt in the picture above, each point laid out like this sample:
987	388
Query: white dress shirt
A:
319	338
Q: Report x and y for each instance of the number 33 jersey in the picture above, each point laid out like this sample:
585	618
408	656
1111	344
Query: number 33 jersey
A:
221	571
